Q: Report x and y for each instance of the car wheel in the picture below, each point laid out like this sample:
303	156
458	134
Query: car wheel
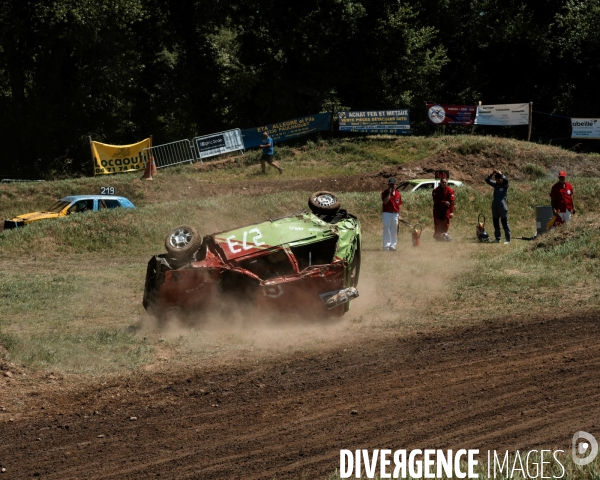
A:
182	242
325	203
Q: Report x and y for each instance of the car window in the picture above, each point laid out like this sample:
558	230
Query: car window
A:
81	206
274	264
104	203
58	206
425	186
405	186
318	253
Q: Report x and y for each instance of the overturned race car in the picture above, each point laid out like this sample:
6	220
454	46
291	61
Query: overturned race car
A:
304	263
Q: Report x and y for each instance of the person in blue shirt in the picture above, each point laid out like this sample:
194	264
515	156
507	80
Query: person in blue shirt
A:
267	154
499	205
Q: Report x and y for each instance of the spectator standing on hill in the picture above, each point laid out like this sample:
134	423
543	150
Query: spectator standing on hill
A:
267	154
392	200
499	205
443	209
561	197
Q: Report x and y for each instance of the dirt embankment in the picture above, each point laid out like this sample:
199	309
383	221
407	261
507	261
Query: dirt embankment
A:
506	385
521	161
468	168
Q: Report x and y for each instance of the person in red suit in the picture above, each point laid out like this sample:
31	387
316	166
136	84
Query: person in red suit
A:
443	209
561	197
392	201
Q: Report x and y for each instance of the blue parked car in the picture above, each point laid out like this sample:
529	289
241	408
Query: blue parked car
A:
68	205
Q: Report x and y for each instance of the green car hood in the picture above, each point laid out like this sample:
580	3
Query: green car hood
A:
292	230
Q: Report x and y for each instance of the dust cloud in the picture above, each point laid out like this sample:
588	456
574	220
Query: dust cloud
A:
399	292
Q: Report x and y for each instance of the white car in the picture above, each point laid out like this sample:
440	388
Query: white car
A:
425	184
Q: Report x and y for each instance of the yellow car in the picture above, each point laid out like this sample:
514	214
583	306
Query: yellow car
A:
67	205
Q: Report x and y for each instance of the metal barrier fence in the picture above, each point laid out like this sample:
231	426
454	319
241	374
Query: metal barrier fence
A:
219	143
13	180
173	153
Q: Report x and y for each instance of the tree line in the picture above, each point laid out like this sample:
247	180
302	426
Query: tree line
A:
119	70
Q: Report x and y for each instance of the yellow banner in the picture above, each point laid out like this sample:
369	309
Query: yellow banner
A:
110	159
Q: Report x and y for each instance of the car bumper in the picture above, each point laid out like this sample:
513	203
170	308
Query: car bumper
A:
10	224
338	297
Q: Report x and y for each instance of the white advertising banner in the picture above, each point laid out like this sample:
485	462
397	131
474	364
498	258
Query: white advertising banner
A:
508	114
219	143
585	128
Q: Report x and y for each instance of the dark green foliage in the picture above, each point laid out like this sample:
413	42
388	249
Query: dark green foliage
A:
121	70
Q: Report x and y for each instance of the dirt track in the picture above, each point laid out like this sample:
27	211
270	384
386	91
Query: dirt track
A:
502	386
505	385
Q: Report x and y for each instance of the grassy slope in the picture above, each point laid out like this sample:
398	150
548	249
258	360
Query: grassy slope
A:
74	286
141	231
316	159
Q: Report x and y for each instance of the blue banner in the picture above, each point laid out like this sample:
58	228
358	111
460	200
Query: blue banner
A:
390	122
287	130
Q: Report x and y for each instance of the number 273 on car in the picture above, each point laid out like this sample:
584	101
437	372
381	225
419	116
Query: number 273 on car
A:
236	247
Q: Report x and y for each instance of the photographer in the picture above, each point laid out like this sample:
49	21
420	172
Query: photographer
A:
499	204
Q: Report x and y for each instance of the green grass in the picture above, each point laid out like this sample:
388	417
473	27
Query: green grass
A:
535	171
78	282
559	271
347	156
319	158
93	352
336	157
70	315
132	232
73	286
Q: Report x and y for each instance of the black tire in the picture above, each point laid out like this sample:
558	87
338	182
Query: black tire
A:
182	242
323	203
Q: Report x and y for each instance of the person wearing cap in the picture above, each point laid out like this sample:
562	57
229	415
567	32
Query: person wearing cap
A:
443	209
267	154
392	201
561	197
499	205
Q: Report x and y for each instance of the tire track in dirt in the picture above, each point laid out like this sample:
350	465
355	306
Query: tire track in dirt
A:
506	385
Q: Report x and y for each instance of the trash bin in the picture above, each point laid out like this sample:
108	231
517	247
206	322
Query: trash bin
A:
543	214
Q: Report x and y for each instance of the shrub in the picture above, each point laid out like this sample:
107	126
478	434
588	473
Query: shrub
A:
535	171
